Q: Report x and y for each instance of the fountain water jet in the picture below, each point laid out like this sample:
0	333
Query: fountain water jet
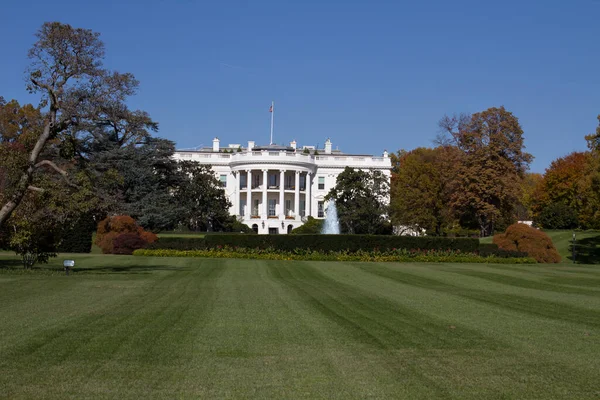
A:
332	223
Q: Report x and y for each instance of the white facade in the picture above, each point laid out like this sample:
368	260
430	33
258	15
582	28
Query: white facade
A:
273	188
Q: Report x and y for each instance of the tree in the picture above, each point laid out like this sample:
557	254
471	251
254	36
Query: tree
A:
82	104
566	181
147	177
361	198
202	197
420	190
525	207
492	169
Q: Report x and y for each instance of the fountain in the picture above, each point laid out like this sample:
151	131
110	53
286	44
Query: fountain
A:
332	223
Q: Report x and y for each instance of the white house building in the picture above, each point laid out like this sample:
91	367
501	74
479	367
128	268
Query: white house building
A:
273	188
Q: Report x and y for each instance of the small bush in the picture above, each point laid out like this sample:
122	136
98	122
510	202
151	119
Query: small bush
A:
126	243
520	237
312	226
111	228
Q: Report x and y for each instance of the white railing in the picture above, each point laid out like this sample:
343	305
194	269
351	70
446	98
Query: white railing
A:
326	160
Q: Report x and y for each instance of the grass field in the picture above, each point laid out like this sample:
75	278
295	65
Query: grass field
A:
132	327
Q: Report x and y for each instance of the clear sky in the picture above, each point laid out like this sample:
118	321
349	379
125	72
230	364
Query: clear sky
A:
371	75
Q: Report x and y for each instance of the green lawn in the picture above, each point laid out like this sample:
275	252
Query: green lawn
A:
126	327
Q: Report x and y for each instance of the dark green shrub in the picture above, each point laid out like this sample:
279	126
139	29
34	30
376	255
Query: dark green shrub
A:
311	226
557	216
178	243
79	238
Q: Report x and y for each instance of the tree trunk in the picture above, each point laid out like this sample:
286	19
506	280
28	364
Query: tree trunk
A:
27	176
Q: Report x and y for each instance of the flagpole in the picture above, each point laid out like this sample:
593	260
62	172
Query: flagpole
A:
272	112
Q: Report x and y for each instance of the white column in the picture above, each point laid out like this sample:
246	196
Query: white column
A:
307	196
281	194
297	196
248	194
265	206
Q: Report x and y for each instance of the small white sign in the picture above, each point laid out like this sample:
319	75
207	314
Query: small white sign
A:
69	263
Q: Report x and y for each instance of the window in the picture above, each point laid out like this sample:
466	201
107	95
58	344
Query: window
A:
243	181
273	231
290	182
288	207
272	203
321	182
223	179
321	212
302	208
242	207
255	181
272	180
302	182
255	228
255	209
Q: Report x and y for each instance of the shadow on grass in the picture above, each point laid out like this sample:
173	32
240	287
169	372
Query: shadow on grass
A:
587	251
129	269
16	265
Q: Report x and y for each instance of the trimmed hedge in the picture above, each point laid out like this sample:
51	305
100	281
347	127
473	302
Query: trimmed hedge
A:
177	243
324	243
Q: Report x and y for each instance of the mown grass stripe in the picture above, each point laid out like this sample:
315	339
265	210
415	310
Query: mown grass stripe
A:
524	304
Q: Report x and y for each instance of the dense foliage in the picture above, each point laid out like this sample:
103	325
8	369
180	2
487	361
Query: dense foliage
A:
312	226
537	244
361	198
557	216
122	235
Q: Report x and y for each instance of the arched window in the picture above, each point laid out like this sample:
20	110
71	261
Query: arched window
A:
255	228
290	227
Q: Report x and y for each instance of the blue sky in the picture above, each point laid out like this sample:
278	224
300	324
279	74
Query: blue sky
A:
370	75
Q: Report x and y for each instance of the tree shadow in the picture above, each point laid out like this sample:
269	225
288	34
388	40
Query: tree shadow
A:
10	264
587	251
129	269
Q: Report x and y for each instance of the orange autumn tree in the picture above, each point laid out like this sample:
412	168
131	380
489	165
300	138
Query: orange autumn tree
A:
567	185
122	235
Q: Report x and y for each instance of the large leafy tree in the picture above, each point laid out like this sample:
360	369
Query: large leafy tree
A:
361	198
146	176
421	188
567	184
82	104
488	184
203	199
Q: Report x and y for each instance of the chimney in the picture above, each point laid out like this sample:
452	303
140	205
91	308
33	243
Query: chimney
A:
385	154
250	145
293	144
216	144
328	146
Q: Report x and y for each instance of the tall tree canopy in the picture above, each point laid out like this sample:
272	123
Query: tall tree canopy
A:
361	198
81	103
493	167
420	192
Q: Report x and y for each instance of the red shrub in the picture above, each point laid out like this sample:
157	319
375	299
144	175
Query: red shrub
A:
115	235
126	243
520	237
